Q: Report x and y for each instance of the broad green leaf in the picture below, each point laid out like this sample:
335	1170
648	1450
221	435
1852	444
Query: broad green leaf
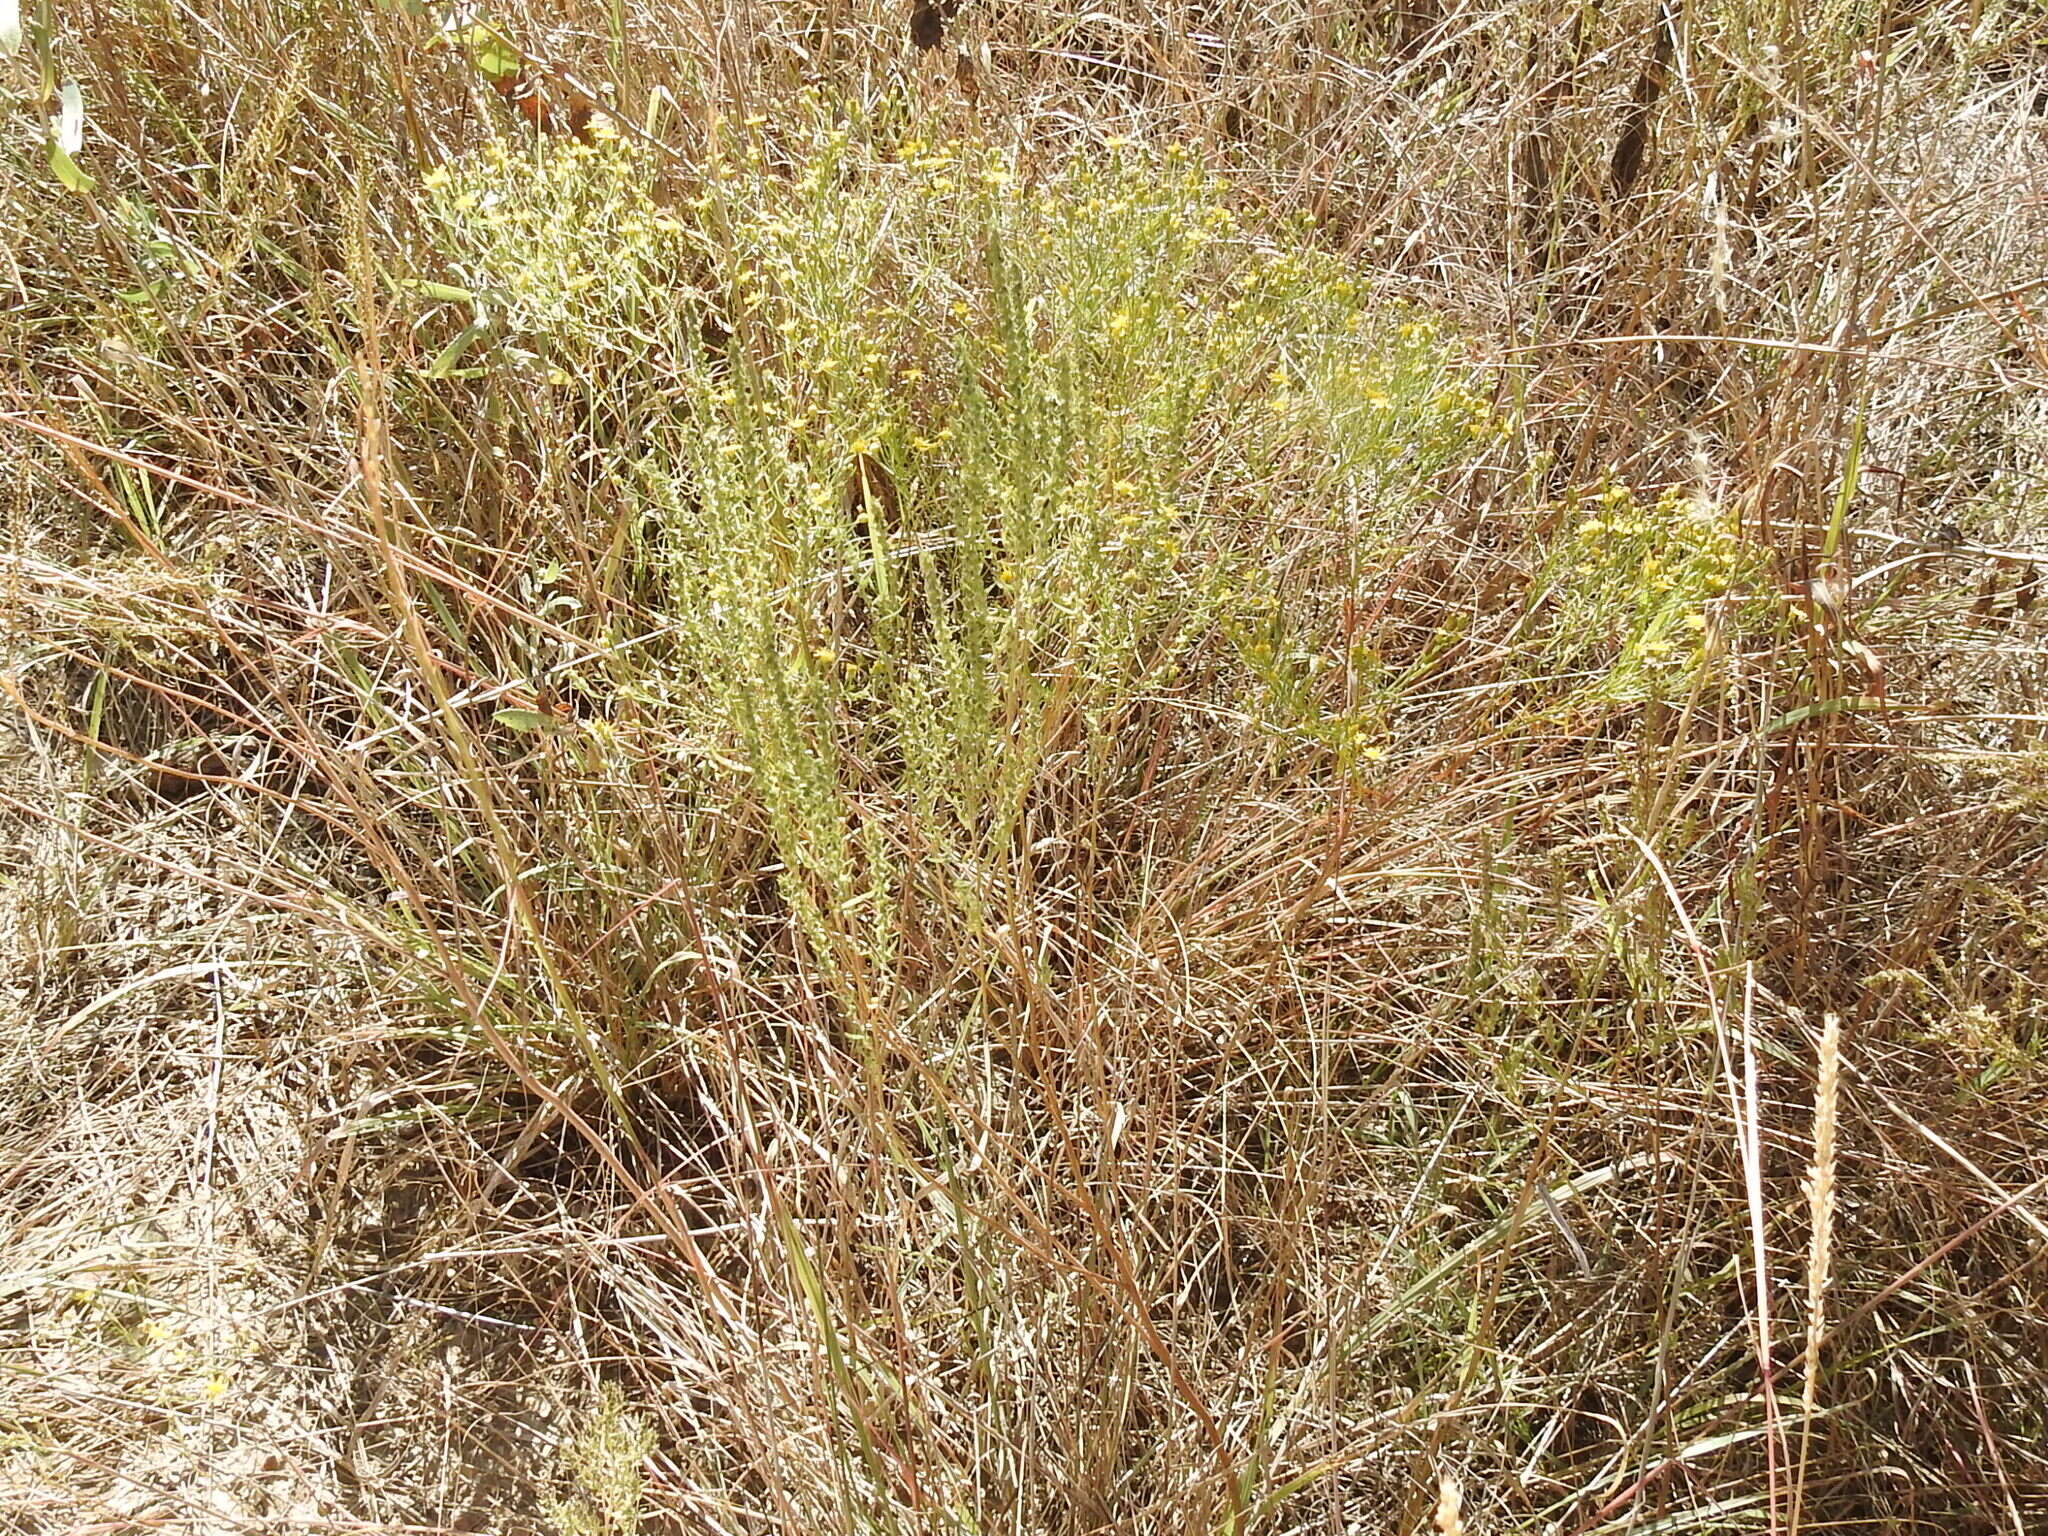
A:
526	720
488	49
497	58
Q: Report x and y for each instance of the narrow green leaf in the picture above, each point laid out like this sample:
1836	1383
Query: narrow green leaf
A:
1858	704
66	169
450	357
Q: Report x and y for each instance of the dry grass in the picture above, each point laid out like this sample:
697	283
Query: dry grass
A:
1247	769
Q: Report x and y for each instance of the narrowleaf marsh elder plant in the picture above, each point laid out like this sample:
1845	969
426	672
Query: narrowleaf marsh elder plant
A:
1111	416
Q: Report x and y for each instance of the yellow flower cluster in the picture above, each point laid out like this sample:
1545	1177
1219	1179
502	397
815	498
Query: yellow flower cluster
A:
1646	574
557	238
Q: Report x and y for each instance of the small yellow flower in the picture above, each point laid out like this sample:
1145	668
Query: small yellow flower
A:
1120	322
